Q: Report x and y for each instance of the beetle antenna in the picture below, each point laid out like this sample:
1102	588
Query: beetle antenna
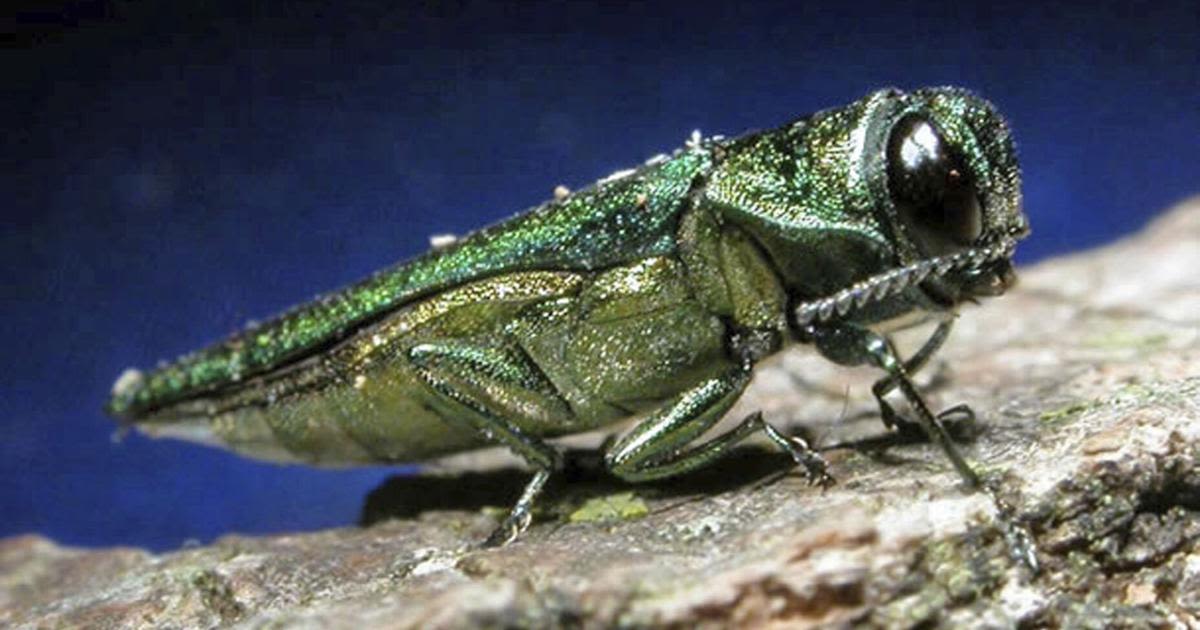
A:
892	282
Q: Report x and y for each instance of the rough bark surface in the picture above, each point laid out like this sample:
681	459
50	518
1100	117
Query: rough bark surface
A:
1086	381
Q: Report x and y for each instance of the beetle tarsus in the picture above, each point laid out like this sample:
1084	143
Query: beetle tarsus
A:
521	516
815	467
1022	547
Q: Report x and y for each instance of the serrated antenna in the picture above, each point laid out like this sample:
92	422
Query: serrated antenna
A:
894	281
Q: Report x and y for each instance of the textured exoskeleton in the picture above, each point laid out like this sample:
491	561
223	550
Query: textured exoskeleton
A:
652	293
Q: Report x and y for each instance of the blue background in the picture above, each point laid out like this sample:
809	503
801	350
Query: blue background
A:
171	172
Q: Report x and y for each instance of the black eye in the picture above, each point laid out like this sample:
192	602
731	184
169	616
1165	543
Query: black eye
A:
931	187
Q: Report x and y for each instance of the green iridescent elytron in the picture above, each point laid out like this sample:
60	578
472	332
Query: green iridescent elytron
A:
651	293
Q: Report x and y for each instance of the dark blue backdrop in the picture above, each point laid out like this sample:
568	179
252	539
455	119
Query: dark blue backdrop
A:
170	173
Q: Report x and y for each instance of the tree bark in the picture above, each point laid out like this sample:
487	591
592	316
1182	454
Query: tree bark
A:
1086	383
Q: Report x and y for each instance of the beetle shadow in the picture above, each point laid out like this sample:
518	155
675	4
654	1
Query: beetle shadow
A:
583	477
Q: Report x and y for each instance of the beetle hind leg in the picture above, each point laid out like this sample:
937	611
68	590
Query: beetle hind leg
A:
521	514
488	388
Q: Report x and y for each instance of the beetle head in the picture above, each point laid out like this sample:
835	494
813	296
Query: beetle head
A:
951	191
924	185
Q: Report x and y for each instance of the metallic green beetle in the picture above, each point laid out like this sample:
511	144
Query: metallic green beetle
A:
652	293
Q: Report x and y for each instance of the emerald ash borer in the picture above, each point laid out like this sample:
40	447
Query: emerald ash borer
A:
651	294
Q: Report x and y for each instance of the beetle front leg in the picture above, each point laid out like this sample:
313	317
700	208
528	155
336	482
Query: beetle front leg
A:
854	345
654	449
883	386
486	387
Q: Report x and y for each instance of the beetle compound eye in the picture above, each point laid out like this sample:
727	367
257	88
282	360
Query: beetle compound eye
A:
931	187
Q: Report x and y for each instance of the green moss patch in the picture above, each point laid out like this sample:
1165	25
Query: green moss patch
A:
624	506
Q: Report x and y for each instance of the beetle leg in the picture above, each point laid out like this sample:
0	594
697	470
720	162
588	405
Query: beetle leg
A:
654	449
884	356
960	414
854	345
487	387
913	365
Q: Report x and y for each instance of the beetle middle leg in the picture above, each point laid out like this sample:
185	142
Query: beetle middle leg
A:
488	387
655	447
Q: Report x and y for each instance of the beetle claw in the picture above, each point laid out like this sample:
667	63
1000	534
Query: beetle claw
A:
815	467
508	530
